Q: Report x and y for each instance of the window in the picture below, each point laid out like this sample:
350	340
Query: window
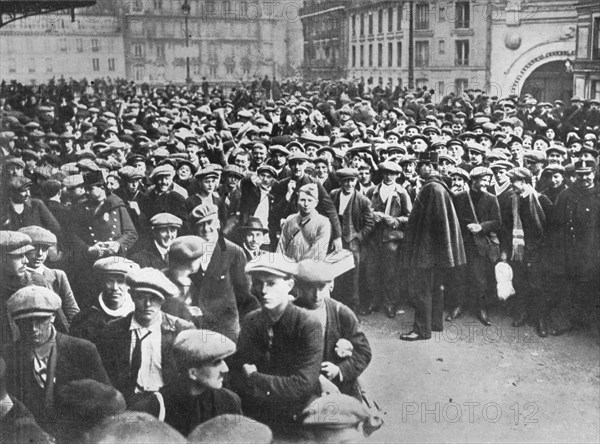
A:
441	89
421	54
49	64
96	64
399	54
160	51
370	55
353	25
442	46
362	56
362	25
422	16
95	45
157	4
596	40
462	53
370	24
79	45
380	54
353	56
138	72
31	64
399	18
594	89
138	50
442	12
390	54
390	19
461	85
462	16
111	64
380	21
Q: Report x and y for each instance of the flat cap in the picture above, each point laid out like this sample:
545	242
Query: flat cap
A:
347	173
208	171
234	170
456	171
534	156
134	427
89	401
273	263
33	302
39	235
553	168
390	166
230	428
18	183
14	242
310	189
115	265
476	147
162	170
520	174
186	248
152	281
298	156
203	212
165	220
15	161
73	181
50	188
556	149
502	164
200	346
334	411
279	149
267	169
130	173
480	171
315	272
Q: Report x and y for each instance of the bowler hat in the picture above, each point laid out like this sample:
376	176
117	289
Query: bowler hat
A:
254	224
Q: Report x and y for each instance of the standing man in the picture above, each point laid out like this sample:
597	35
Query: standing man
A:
433	245
257	201
162	197
253	236
164	231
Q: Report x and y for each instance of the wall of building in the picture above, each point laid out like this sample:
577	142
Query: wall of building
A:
586	70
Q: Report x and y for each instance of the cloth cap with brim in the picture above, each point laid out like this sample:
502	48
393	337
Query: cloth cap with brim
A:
520	174
39	235
202	346
134	427
273	263
234	170
534	156
310	189
552	169
33	302
556	149
230	428
115	265
87	400
348	413
279	149
208	171
162	170
50	188
585	166
501	164
162	220
480	172
456	171
186	248
476	148
298	156
14	243
14	161
130	173
254	224
18	183
73	181
203	213
347	173
267	169
150	281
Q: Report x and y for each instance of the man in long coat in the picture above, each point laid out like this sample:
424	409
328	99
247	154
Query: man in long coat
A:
433	244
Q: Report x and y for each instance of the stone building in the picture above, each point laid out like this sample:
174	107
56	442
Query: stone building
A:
586	69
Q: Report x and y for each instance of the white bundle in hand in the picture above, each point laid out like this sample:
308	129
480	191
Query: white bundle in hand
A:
504	276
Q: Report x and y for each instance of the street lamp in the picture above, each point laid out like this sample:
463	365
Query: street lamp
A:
186	8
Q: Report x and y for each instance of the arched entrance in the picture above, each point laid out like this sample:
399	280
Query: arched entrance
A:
549	82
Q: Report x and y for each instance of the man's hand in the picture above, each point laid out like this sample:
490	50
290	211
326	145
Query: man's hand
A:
330	370
474	228
249	369
290	190
337	245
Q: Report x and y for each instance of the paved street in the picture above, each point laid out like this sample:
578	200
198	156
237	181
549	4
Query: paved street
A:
476	384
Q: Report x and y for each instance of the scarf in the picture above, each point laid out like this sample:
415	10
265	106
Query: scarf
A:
537	214
127	307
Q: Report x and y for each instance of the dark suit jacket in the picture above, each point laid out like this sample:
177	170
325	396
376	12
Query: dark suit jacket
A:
488	214
250	198
35	213
359	210
282	208
75	359
288	370
223	291
149	257
115	345
151	203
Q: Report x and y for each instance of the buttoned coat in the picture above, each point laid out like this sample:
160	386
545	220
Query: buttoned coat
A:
359	209
400	208
149	256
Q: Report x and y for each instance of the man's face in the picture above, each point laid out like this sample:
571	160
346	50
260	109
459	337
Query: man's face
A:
112	183
364	176
501	175
114	290
356	161
481	183
392	138
37	256
210	374
306	204
556	180
311	151
208	184
147	306
425	170
445	166
95	192
540	145
419	145
243	161
208	229
348	185
265	181
184	172
163	183
232	181
254	239
164	236
14	265
321	170
412	131
585	180
313	295
458	183
555	158
519	186
516	149
132	185
456	151
297	168
259	155
273	291
485	142
302	117
35	331
475	158
21	196
278	159
14	170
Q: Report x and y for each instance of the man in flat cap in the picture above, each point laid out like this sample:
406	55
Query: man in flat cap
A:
479	215
131	193
43	360
164	228
112	303
286	193
222	287
276	368
554	175
257	201
230	428
230	195
137	350
162	197
305	234
356	219
197	394
346	352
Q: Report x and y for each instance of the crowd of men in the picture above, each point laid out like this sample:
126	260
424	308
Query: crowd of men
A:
178	252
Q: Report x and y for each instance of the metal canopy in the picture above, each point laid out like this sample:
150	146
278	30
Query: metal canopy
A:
11	10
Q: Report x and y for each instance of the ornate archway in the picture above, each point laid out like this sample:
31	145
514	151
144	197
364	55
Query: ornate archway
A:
549	82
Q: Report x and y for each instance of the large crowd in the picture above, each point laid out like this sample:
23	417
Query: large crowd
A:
193	255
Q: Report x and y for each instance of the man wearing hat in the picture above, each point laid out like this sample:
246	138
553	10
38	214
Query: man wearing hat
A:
554	175
278	155
131	192
137	350
257	201
305	234
229	428
346	352
43	360
162	197
230	195
534	162
253	235
111	303
285	194
155	254
391	206
575	247
197	394
356	220
207	180
276	368
222	287
479	215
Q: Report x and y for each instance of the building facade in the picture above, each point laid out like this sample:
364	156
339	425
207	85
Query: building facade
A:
586	67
